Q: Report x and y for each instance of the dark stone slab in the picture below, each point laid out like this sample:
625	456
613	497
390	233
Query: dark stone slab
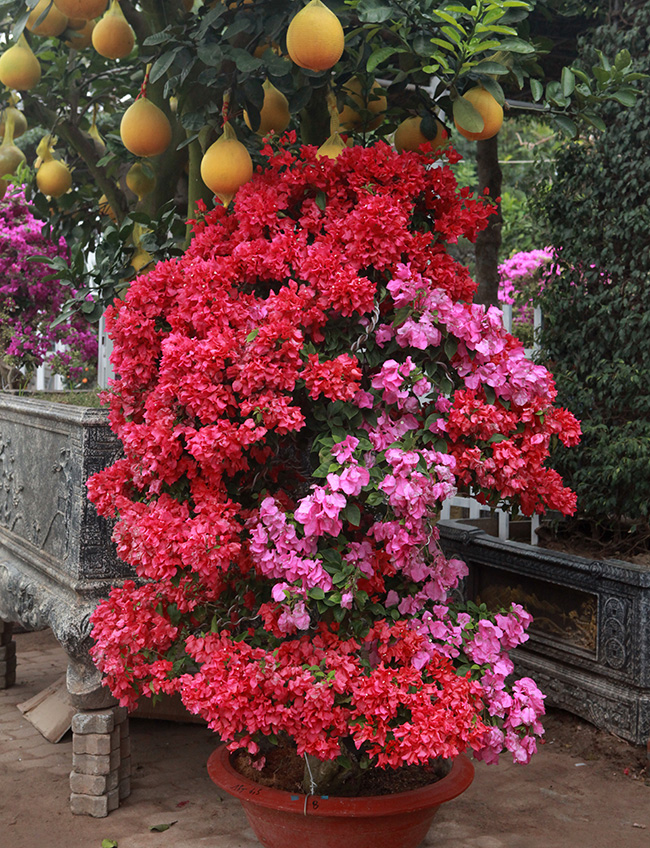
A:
589	646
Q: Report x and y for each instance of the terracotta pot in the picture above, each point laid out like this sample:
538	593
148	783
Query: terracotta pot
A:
286	820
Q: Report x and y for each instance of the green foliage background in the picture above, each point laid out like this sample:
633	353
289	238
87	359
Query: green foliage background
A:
596	333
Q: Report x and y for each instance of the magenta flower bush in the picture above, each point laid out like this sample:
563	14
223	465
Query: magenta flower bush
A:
521	282
30	302
296	397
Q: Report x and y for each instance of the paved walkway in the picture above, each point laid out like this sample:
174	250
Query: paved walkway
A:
558	801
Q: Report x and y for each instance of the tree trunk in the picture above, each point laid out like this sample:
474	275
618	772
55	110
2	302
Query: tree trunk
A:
488	241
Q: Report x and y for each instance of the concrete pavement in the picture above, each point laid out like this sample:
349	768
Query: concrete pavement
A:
566	798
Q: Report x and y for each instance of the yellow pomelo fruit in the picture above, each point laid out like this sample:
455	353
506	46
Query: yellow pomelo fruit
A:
145	129
10	158
19	67
53	178
332	147
226	165
490	111
76	23
81	38
113	37
409	136
315	38
20	122
274	114
84	9
141	179
349	118
52	24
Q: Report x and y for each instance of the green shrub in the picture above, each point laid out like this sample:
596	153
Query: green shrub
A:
596	332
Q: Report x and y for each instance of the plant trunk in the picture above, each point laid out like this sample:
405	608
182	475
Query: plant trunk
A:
488	240
315	118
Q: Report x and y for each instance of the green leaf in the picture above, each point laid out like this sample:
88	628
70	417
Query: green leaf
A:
500	30
451	346
210	55
537	89
353	514
246	63
594	120
277	66
602	75
162	65
375	11
380	56
568	82
491	68
109	843
517	45
467	116
625	96
493	87
452	34
159	828
622	60
496	438
450	19
252	335
492	15
316	593
444	44
566	125
158	38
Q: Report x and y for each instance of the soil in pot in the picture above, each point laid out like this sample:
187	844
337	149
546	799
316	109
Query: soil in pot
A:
581	537
284	769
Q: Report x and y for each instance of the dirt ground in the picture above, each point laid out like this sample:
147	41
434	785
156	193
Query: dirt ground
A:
584	789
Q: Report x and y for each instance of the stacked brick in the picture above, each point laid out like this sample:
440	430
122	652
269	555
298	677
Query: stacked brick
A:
101	761
7	656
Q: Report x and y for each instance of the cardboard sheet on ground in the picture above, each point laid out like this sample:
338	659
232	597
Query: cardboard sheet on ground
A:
50	711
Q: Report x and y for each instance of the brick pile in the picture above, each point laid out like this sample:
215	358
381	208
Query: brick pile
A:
101	761
7	656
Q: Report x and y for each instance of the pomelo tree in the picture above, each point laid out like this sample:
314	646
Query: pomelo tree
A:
205	65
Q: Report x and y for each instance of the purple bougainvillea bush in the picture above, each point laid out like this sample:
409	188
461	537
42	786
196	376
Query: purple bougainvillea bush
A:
296	397
30	301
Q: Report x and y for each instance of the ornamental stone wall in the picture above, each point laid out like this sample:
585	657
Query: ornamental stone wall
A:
589	645
56	562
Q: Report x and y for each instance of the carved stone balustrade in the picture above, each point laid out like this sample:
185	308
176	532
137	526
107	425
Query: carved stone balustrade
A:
589	646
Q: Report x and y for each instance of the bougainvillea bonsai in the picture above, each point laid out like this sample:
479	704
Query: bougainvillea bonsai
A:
31	300
296	396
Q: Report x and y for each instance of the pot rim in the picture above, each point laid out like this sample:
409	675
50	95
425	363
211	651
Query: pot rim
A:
225	776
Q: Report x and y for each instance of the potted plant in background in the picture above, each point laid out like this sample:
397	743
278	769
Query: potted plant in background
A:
296	396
